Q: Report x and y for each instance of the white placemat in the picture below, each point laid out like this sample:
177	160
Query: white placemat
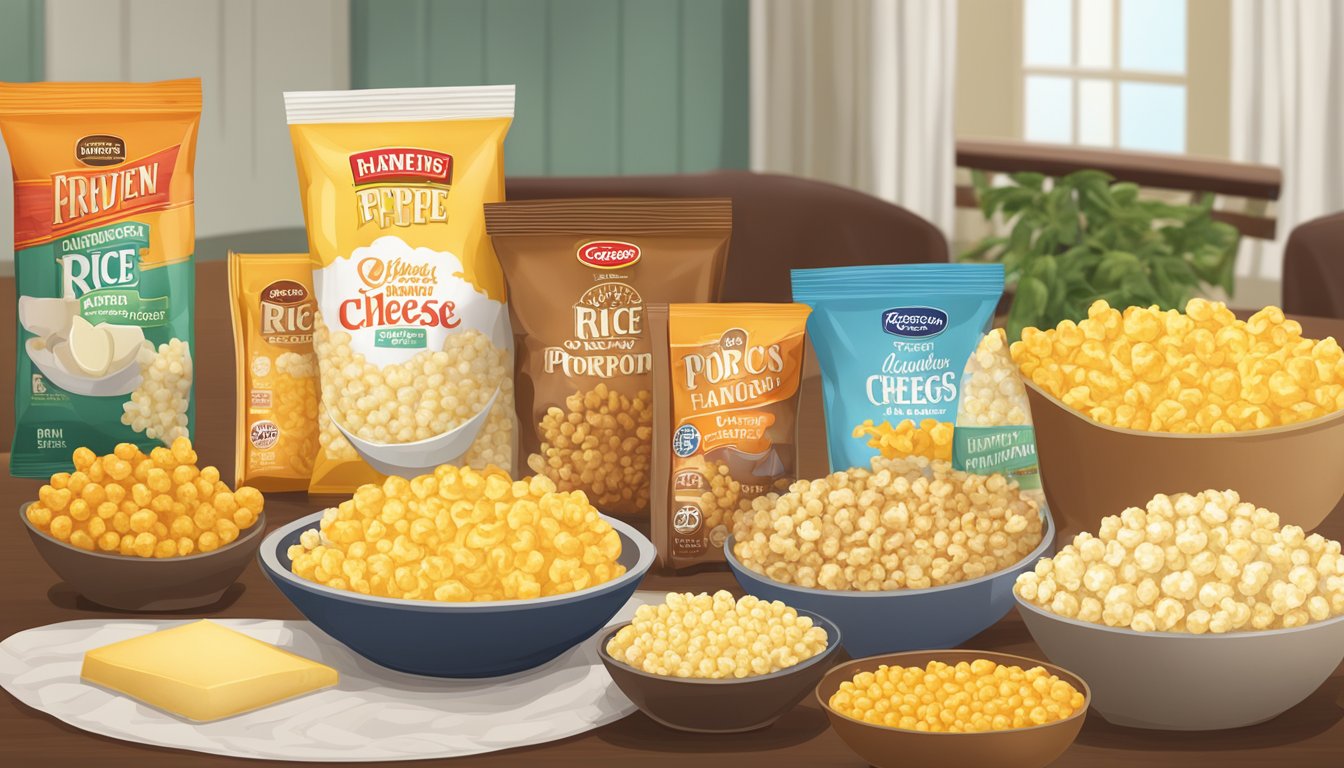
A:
373	714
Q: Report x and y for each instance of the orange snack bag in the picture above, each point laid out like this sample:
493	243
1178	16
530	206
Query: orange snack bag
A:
726	383
271	298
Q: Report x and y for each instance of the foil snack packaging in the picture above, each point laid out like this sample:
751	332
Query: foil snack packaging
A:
726	392
273	308
412	337
582	273
910	366
104	239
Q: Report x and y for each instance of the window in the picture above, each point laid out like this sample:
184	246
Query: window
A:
1105	73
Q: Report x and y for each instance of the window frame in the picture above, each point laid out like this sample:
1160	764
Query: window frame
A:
1113	74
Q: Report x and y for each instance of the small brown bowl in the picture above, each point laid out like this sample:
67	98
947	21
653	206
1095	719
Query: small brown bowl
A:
148	584
733	705
1090	470
882	746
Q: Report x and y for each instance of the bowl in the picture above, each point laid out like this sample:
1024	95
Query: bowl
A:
902	619
1175	681
884	746
122	381
733	705
1090	470
437	639
412	459
145	583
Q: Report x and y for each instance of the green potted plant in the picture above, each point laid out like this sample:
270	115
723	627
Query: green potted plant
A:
1084	237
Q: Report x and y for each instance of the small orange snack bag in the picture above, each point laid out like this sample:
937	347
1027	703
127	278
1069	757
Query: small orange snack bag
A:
271	296
726	383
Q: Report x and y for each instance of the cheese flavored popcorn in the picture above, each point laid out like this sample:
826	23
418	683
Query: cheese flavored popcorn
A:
1194	563
412	329
967	697
1198	371
931	438
460	535
910	367
104	241
130	503
277	390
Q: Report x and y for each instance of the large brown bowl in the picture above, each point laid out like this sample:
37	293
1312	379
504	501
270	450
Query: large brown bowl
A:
732	705
883	746
1090	470
148	584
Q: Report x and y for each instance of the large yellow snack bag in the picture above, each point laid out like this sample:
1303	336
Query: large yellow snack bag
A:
271	298
412	331
104	236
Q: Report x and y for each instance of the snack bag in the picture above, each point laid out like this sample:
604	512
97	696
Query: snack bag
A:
104	236
726	380
581	273
412	330
910	367
271	299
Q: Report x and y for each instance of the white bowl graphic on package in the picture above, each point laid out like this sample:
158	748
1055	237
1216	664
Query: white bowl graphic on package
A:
80	357
353	298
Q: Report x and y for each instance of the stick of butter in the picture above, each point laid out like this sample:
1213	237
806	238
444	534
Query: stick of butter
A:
203	671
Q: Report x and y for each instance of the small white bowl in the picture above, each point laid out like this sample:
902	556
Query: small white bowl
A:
411	459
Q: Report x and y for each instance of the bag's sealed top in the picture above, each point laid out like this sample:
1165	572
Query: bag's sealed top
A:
909	367
581	274
104	236
726	383
412	332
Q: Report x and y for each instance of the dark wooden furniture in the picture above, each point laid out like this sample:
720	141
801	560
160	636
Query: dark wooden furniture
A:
1313	268
1258	184
1310	735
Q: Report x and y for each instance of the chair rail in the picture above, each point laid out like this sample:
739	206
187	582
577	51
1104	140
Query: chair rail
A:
1259	184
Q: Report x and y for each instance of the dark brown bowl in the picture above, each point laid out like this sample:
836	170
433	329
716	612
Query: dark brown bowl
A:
148	584
882	746
721	706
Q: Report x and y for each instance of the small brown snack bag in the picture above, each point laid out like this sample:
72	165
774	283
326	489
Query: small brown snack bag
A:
726	383
580	274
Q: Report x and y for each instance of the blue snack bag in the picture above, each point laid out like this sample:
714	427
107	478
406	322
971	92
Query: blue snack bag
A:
899	347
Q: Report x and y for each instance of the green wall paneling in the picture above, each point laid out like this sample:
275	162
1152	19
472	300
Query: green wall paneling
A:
21	41
604	86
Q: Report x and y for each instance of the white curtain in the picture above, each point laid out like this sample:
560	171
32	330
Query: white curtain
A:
858	93
1288	110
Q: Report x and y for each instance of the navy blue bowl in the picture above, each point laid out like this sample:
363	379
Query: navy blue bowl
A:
483	639
896	620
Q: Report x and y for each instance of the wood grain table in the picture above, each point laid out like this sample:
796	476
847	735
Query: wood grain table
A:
1309	735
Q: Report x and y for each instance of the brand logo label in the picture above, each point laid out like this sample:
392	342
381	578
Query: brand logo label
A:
608	254
401	164
914	322
263	435
101	150
287	314
284	292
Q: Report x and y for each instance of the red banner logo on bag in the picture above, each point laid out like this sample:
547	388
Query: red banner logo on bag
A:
401	164
608	254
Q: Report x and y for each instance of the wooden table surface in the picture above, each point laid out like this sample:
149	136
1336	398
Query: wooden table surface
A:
1311	734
